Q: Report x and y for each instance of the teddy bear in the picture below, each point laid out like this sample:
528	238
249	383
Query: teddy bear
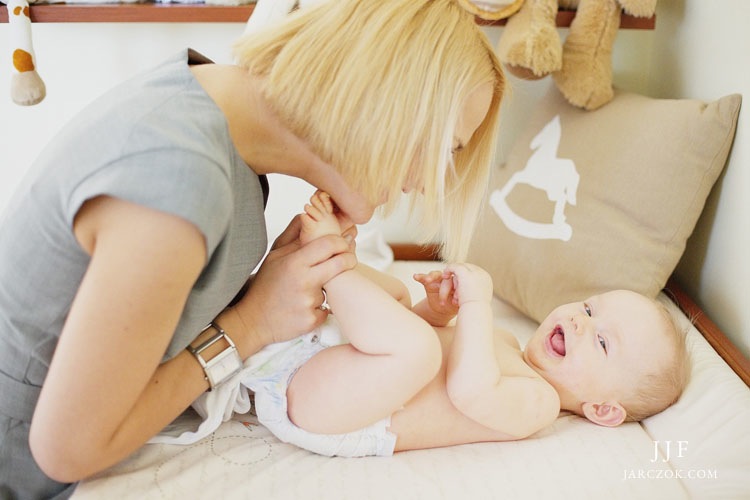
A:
581	67
26	86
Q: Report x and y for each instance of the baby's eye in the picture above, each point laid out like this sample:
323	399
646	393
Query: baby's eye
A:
588	310
602	343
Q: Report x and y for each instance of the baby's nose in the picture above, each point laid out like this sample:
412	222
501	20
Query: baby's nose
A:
579	322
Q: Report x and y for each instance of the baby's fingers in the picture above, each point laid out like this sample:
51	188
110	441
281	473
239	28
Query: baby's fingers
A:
446	290
430	277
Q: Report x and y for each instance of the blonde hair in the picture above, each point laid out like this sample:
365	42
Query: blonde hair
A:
661	388
376	88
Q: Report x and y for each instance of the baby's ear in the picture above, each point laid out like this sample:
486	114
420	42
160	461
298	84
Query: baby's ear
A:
610	414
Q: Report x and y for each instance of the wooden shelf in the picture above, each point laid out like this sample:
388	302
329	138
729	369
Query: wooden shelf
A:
565	17
136	13
202	13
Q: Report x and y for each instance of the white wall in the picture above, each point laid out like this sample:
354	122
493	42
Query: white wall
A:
79	61
698	50
701	50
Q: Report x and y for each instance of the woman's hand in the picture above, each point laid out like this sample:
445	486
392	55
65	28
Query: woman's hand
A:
283	299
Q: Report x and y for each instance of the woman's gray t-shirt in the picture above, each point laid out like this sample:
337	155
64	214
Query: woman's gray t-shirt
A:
157	140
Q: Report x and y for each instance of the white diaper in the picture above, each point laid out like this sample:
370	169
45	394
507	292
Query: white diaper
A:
267	374
270	382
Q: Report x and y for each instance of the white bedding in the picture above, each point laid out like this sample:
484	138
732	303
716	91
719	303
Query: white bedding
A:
703	443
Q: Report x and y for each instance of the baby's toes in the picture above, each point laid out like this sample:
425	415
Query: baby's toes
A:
314	213
327	203
322	202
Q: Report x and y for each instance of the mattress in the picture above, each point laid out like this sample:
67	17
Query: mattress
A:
699	448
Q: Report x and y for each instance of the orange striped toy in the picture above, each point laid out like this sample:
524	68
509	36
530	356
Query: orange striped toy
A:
27	87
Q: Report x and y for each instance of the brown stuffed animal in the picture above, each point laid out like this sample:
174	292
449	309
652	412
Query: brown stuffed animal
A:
581	67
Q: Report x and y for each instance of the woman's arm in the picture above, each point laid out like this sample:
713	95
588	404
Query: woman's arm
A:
106	392
103	395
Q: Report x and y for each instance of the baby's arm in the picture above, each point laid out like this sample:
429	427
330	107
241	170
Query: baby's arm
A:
516	405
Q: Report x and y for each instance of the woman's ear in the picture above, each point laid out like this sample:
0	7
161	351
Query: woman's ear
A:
609	414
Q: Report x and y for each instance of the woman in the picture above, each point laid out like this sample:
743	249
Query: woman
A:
142	222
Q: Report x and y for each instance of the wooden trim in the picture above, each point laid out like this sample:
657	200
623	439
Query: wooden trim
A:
151	12
412	251
710	331
565	18
136	13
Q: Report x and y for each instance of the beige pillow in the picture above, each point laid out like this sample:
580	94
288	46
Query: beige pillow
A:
590	201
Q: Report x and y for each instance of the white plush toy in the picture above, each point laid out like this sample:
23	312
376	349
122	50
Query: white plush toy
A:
26	86
269	11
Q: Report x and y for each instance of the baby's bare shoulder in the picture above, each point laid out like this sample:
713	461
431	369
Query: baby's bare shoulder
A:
507	338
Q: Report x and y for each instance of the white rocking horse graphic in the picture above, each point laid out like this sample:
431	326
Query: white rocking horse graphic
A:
544	170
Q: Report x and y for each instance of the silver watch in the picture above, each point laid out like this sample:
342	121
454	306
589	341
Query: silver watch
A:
224	365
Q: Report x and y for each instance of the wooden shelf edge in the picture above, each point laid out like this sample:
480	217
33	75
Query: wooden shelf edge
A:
137	13
565	18
203	13
413	251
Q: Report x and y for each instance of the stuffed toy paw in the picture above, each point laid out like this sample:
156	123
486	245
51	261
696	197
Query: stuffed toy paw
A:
530	47
585	78
26	86
581	66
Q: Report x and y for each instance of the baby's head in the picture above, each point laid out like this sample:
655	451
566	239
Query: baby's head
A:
614	357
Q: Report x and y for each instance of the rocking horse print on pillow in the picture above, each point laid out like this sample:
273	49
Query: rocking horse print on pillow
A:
546	171
26	87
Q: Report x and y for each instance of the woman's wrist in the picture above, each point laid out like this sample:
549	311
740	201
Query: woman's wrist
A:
246	339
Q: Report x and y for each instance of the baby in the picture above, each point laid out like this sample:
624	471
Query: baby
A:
410	378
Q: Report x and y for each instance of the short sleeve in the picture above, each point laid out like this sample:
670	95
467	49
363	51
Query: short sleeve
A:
177	182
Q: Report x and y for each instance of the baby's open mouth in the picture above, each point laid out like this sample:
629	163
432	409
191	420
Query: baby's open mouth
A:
557	340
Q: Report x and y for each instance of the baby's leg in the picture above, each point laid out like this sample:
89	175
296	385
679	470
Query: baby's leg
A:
392	355
318	219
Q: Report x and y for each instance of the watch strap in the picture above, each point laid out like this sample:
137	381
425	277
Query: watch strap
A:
223	365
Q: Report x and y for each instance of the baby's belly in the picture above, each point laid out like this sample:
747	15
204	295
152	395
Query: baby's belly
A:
430	420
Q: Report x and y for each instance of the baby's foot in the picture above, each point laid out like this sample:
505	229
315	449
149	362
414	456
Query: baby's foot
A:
318	219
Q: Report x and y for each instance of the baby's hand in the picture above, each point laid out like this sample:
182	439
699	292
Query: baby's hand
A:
471	283
438	286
